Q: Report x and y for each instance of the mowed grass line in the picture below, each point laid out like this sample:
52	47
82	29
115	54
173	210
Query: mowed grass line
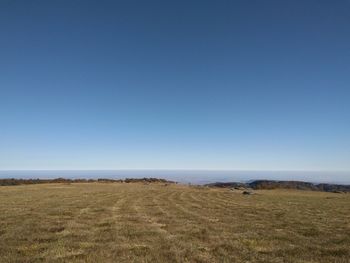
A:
136	222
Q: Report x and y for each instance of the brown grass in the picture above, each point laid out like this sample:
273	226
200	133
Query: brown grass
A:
101	222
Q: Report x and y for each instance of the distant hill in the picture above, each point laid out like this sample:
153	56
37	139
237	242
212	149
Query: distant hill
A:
13	181
271	184
256	184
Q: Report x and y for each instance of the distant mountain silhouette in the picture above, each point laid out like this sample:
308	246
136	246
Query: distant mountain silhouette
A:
13	181
271	184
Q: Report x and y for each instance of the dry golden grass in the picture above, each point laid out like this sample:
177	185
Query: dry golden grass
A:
101	222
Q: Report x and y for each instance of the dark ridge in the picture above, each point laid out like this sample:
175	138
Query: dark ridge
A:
271	184
147	180
13	181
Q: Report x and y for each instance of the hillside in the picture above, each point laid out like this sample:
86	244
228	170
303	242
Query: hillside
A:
161	222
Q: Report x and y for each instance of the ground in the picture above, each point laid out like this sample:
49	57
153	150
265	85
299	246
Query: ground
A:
136	222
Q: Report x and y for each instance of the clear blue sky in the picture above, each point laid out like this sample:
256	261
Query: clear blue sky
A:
175	84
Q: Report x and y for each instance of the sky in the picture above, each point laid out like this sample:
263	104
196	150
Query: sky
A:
242	85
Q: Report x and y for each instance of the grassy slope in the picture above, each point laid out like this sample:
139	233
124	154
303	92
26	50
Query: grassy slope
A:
97	222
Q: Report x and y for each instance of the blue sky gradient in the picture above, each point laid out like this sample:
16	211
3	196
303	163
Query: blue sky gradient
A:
257	85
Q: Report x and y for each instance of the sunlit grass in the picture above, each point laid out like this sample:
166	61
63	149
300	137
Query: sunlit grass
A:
119	222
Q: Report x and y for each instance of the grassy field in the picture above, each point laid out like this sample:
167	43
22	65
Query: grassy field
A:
118	222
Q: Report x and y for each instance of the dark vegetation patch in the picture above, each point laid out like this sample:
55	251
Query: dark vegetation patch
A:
298	185
13	181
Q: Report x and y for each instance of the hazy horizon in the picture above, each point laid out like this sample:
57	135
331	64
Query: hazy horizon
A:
194	176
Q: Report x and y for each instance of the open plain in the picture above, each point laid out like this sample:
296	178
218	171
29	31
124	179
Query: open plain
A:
157	222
